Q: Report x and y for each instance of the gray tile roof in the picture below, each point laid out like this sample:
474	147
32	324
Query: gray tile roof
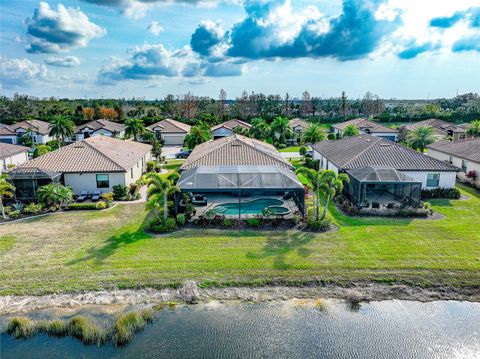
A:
298	122
367	150
235	150
468	149
171	126
95	154
102	124
38	126
362	124
439	125
7	149
231	124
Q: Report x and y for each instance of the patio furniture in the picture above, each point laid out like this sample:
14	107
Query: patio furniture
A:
199	200
96	195
83	196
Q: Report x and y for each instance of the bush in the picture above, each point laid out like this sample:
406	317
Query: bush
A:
101	205
447	193
164	227
210	219
228	222
33	208
119	192
82	206
153	166
108	197
181	219
20	327
133	188
282	145
11	212
320	225
18	206
331	136
253	222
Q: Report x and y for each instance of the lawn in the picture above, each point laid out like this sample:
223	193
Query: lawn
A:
96	250
290	149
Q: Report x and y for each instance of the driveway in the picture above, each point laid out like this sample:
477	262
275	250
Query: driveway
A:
169	151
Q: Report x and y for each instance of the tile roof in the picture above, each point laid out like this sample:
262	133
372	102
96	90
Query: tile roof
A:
38	126
235	150
362	124
101	124
94	154
7	149
440	125
295	122
171	126
7	131
468	149
231	124
367	150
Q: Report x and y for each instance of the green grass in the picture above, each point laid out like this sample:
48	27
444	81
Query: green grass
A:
91	251
6	243
290	149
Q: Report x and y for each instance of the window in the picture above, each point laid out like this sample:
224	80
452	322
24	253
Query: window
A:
433	179
103	181
131	172
464	165
462	136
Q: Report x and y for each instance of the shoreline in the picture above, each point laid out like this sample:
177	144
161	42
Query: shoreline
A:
148	296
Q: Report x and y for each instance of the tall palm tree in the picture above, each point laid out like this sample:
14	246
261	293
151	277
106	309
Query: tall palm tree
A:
420	137
351	130
198	134
331	184
6	190
157	192
313	134
134	127
239	130
280	129
260	129
313	183
61	128
473	129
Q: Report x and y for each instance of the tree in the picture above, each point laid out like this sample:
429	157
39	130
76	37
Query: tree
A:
54	194
420	137
156	148
313	134
6	190
222	102
239	130
88	113
41	150
61	127
351	130
313	183
306	107
260	128
108	113
473	129
331	184
134	127
280	129
198	134
343	98
157	193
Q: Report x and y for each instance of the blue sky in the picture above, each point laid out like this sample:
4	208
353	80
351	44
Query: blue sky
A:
149	48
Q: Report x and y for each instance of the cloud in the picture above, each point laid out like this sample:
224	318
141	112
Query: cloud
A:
416	49
447	21
68	61
471	43
206	36
18	72
154	28
51	31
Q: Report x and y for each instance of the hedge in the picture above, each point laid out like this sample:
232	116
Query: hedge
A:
448	193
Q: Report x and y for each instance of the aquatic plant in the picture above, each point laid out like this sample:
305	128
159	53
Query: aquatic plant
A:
127	325
20	327
88	332
53	327
320	304
162	305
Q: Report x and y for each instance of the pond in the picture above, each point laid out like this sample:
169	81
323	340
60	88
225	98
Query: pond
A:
286	329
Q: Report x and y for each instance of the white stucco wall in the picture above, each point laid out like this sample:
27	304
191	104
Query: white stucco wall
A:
456	161
137	170
15	159
88	181
324	163
447	179
222	132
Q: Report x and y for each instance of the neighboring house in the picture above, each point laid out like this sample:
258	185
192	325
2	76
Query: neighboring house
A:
464	154
352	153
298	125
99	127
366	127
441	129
12	155
171	132
37	129
96	163
227	128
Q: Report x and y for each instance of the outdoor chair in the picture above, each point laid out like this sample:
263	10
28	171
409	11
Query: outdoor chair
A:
199	200
96	195
83	196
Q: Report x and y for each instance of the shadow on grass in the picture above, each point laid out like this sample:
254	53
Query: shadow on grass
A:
279	246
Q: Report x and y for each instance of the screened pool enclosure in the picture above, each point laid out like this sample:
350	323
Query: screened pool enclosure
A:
382	187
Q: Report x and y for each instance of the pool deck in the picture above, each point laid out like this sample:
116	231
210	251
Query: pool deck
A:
214	200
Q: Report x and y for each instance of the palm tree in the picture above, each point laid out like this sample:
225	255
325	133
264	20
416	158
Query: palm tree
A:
158	189
239	130
54	194
420	137
260	129
473	129
61	128
313	134
6	190
198	134
134	127
313	183
280	129
351	130
331	184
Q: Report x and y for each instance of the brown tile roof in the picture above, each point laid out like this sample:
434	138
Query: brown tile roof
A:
95	154
468	149
295	122
7	149
171	126
35	125
367	150
235	150
7	131
102	124
231	124
362	124
439	125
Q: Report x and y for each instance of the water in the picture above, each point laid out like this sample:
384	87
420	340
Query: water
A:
388	329
251	207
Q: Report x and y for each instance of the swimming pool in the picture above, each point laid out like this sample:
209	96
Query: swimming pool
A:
252	207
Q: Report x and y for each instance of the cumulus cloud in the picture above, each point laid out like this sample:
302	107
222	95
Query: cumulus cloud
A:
17	72
471	43
154	28
52	31
67	61
414	50
207	35
471	14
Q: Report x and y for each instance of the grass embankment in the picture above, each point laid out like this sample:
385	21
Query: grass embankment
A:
91	251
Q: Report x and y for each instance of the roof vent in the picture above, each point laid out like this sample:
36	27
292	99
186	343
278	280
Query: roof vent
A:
368	140
385	144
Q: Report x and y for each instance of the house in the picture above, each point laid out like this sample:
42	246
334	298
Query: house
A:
382	170
171	132
441	129
99	127
36	129
231	168
366	127
95	163
298	125
12	155
464	153
227	128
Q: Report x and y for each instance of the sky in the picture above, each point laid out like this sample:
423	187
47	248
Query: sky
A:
405	49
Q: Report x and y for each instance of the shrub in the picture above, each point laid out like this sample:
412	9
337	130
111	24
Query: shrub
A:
253	222
181	219
127	325
82	206
133	188
331	136
210	220
33	208
228	222
302	151
18	206
153	166
108	196
11	212
101	205
164	227
282	145
119	192
20	327
320	225
448	193
85	330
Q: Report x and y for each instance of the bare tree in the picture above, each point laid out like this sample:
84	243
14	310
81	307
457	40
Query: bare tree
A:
222	103
306	107
344	104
